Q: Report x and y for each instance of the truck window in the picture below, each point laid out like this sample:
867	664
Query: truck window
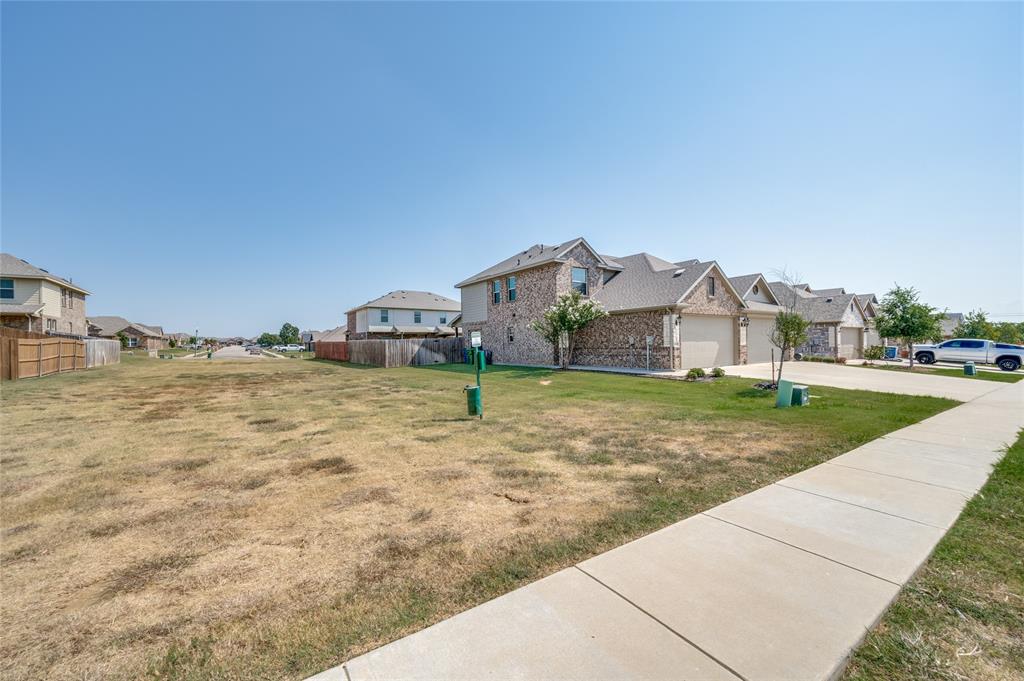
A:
950	344
972	344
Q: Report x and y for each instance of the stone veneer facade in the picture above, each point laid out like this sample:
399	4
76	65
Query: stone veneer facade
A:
616	340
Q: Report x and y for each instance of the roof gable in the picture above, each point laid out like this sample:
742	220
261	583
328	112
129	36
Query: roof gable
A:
538	254
12	266
744	284
412	300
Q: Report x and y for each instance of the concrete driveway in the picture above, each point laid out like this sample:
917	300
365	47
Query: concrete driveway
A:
859	378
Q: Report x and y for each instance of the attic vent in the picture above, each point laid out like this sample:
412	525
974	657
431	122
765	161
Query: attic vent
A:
517	261
828	300
678	272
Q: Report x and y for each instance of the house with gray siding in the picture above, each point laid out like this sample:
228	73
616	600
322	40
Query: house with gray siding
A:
33	299
662	314
403	314
839	325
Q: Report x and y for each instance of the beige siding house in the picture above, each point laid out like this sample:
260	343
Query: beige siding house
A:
139	335
403	314
662	314
32	299
762	307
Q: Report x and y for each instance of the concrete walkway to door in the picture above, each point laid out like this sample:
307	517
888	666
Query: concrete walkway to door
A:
779	584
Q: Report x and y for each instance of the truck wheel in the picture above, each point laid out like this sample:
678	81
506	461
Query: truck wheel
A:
1009	364
925	357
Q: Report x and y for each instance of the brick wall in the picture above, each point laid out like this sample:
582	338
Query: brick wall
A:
620	340
819	341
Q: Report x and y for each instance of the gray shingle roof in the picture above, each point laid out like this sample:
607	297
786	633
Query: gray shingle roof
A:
816	309
743	282
647	281
413	300
12	266
538	254
828	291
110	325
335	334
11	308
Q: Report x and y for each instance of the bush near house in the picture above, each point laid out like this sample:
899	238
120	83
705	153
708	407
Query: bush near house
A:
825	359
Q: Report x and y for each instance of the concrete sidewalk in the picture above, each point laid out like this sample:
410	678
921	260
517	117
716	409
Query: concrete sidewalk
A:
779	584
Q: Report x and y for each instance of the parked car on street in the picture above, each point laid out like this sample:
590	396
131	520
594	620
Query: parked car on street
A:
292	347
1006	356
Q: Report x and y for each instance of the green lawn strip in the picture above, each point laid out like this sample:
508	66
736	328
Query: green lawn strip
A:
351	623
1000	376
962	615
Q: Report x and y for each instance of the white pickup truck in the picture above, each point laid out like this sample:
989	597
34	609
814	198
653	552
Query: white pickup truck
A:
1008	357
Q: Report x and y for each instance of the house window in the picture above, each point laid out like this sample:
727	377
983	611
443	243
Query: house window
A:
133	341
6	289
711	287
579	279
443	319
383	316
511	336
417	317
511	289
51	324
755	290
496	288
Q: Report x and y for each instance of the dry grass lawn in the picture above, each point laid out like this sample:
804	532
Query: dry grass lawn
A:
270	518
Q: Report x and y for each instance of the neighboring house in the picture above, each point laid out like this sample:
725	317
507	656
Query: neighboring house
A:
838	324
402	314
32	299
139	335
309	338
869	304
662	314
950	322
762	307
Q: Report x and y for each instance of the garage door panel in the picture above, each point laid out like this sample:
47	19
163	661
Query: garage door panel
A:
759	346
707	341
850	341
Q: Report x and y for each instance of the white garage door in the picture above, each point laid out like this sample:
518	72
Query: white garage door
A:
851	339
759	347
707	341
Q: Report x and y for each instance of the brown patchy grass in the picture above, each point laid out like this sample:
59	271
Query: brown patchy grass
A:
240	519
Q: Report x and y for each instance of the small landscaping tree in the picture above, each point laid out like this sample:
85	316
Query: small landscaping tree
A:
563	320
268	339
193	341
173	343
1008	332
975	324
123	337
790	328
903	317
788	332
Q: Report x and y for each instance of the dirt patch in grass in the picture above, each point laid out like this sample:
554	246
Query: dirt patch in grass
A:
234	542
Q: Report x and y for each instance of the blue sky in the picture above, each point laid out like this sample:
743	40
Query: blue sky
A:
231	166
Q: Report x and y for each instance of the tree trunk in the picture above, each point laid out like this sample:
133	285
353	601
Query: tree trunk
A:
910	355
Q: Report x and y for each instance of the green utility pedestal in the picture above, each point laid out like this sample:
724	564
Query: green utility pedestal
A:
970	369
801	395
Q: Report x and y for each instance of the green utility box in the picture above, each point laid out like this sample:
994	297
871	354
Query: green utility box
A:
970	369
801	395
784	394
474	402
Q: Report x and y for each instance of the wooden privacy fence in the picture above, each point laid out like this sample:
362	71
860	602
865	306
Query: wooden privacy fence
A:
33	357
336	350
102	351
406	352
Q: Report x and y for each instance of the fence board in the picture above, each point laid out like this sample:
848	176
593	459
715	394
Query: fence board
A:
102	351
336	350
406	352
22	357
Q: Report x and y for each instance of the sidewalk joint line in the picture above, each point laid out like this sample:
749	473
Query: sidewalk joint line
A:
929	457
676	633
898	477
800	548
868	508
972	447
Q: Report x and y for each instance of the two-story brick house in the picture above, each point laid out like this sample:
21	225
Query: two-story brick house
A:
403	314
32	299
662	314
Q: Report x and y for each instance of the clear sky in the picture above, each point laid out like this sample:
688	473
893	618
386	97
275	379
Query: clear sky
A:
231	166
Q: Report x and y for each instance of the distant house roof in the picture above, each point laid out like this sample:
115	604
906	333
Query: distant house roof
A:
828	291
413	300
12	266
535	255
110	326
335	334
29	309
814	308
